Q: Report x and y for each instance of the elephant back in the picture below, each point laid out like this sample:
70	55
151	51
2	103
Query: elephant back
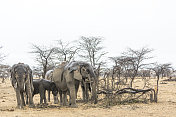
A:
58	72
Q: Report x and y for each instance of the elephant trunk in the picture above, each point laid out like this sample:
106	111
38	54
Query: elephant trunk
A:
21	86
21	83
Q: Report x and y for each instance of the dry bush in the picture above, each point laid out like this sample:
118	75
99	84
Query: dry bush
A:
113	92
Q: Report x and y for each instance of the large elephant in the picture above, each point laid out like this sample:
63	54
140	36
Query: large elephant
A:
68	76
22	81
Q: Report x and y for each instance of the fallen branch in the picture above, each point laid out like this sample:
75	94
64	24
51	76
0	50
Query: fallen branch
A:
133	91
130	91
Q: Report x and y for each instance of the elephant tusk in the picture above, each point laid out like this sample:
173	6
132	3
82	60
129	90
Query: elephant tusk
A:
15	85
24	87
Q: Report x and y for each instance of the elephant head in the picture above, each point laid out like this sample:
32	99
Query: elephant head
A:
54	89
84	71
19	75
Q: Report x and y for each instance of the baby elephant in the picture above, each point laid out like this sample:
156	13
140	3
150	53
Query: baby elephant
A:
41	85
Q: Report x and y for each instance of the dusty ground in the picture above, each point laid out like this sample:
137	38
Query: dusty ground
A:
165	107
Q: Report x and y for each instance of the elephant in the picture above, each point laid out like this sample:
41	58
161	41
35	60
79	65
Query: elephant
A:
49	76
22	82
41	85
67	77
84	85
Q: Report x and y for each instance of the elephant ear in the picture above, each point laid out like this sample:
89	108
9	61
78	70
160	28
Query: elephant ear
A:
75	68
13	78
77	75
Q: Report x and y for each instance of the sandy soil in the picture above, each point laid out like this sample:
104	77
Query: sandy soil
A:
165	107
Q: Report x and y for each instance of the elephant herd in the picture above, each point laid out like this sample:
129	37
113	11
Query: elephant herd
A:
64	79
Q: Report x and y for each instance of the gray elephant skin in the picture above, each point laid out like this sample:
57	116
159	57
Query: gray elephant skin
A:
22	81
40	87
67	77
84	85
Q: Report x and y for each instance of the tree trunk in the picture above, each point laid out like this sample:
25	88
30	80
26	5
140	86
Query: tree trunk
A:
131	82
156	93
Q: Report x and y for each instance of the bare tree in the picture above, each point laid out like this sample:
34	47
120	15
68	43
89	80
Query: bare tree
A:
65	51
4	72
2	56
44	56
92	50
136	60
159	70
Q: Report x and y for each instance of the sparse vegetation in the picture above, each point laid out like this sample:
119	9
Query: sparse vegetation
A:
130	80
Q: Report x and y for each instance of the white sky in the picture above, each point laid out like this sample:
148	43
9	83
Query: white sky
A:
123	23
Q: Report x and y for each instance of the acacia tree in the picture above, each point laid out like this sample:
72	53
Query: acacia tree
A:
159	70
65	51
120	67
132	61
91	50
44	56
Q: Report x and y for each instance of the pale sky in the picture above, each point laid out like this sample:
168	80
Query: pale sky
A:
123	24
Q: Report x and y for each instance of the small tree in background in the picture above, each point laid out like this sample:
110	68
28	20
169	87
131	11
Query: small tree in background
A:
135	61
91	50
4	69
44	56
65	51
2	56
4	72
159	70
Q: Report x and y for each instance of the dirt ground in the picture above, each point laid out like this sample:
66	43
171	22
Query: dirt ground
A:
166	106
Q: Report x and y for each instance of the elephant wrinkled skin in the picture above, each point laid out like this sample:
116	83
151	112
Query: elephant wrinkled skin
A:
22	81
68	76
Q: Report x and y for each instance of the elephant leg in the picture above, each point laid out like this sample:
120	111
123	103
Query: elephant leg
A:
48	95
86	93
64	98
22	98
29	93
68	93
41	96
56	101
26	93
83	86
26	98
44	96
76	87
83	93
71	87
61	101
18	96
